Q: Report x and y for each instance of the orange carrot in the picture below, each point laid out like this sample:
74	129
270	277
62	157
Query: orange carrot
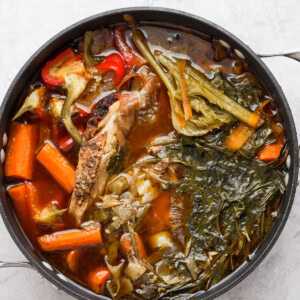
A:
238	137
277	129
97	279
180	119
18	195
184	92
72	260
254	119
32	199
270	152
22	143
58	166
185	99
24	198
70	239
127	246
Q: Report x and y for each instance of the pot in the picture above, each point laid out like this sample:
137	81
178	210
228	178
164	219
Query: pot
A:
32	66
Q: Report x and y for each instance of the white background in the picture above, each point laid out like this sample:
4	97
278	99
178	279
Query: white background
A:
265	26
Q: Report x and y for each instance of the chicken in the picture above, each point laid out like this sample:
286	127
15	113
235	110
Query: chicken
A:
104	145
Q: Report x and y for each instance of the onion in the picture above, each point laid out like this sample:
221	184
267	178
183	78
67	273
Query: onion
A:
161	240
118	185
146	190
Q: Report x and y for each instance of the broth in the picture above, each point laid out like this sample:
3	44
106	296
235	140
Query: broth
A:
175	214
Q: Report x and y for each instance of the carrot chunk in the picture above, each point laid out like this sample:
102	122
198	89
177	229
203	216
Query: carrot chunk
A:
127	246
18	195
238	137
22	143
70	239
270	152
24	198
97	279
58	166
254	119
184	92
72	260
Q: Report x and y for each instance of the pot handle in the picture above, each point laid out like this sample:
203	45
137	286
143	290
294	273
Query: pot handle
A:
294	54
16	264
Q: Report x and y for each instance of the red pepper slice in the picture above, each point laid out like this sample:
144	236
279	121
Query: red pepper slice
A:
127	53
55	69
66	142
114	62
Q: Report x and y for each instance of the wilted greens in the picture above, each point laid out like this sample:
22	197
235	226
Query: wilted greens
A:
151	160
230	196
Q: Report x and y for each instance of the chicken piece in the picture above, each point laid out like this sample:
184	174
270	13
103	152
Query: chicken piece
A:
104	145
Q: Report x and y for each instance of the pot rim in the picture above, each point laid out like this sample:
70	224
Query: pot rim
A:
244	270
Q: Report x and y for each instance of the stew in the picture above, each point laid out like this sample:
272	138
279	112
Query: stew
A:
146	161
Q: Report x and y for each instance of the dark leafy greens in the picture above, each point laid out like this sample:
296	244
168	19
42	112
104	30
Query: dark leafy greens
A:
230	196
244	88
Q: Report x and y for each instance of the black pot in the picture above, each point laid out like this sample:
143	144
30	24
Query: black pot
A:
20	84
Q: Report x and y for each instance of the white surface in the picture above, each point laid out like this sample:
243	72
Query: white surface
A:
264	25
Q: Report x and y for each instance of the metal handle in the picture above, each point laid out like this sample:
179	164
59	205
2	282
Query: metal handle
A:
16	264
294	54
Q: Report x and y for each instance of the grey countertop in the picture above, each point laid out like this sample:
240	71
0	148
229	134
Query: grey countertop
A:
269	25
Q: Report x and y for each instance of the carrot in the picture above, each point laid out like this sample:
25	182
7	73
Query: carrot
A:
23	140
127	246
70	239
270	152
72	260
254	119
32	199
277	129
181	120
97	279
18	195
238	137
185	99
24	197
58	166
184	92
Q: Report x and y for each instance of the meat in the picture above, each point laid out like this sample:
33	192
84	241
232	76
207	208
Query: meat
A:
104	145
97	153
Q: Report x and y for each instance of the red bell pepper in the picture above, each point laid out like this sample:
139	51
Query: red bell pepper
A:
127	53
66	142
65	62
114	62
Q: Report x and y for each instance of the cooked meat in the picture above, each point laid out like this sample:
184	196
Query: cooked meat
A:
97	153
102	150
99	113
